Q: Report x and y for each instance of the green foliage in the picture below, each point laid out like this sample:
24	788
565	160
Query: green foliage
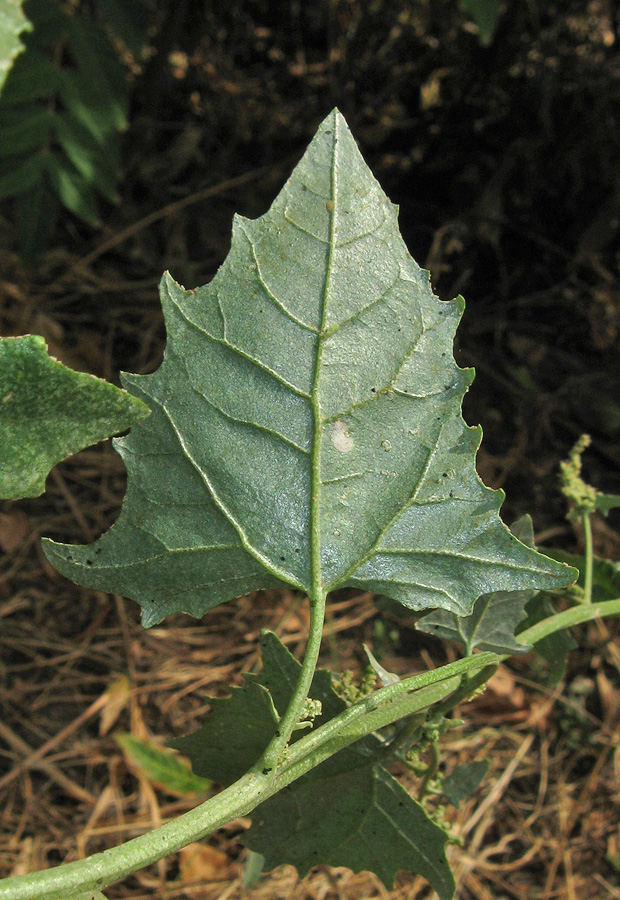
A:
13	23
372	823
62	109
48	412
306	425
582	498
161	767
605	574
495	617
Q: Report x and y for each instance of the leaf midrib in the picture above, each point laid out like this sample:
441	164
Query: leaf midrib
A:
316	572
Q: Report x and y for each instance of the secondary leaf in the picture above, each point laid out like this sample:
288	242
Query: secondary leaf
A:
495	617
346	812
306	423
606	502
48	412
361	818
240	727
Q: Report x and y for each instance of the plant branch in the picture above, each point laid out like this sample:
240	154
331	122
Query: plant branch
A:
589	555
574	616
384	707
271	757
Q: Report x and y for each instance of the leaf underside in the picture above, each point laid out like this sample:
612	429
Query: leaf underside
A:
495	618
306	426
348	811
48	412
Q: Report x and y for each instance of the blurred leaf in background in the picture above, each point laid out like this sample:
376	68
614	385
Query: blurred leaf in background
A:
62	110
485	15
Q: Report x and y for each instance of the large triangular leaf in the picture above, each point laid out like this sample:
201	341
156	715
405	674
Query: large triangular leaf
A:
306	423
495	618
48	412
348	811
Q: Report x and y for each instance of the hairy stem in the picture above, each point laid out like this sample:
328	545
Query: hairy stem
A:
589	555
270	758
574	616
431	771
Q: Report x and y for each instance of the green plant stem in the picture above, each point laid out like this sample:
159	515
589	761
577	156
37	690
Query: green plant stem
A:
381	708
271	758
431	771
574	616
589	555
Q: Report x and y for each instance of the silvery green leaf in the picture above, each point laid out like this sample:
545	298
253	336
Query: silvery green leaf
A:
306	425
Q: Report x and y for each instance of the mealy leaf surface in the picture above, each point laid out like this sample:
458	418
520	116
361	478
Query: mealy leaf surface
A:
306	423
495	618
48	412
348	811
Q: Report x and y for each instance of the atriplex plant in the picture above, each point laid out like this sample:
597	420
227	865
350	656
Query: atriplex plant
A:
306	430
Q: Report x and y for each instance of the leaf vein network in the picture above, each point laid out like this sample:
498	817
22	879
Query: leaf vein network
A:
306	231
245	541
250	424
334	329
385	388
404	506
270	293
234	349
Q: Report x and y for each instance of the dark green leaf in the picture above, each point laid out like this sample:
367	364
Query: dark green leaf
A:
48	412
72	189
49	20
495	617
22	179
463	781
239	729
87	108
33	75
101	75
605	574
306	426
551	657
360	818
233	737
23	130
606	502
88	156
346	812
